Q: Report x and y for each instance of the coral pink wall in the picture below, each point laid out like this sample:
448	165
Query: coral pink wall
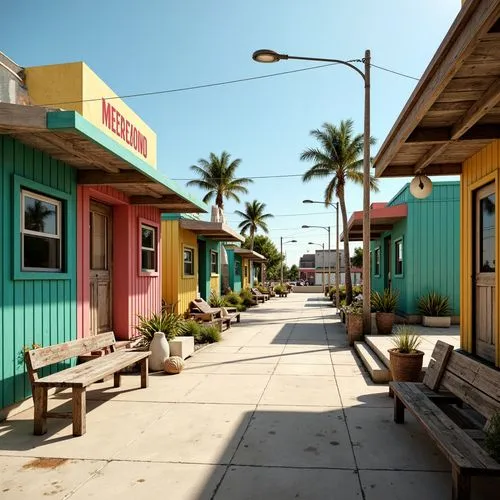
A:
133	292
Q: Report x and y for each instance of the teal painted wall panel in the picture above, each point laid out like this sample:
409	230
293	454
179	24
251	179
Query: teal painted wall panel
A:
235	270
205	247
34	310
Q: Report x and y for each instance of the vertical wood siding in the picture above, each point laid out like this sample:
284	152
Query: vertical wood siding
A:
41	311
477	171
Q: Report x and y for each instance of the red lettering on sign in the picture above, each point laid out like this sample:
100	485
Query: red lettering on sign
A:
106	119
113	119
122	127
127	133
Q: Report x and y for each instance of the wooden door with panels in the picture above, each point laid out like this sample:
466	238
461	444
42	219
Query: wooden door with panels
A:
101	219
484	277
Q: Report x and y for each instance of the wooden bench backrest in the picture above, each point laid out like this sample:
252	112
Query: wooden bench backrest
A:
474	383
203	306
45	356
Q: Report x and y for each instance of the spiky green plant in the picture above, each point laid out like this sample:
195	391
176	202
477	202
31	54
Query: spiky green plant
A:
232	298
216	300
208	334
405	339
170	324
385	302
434	304
492	438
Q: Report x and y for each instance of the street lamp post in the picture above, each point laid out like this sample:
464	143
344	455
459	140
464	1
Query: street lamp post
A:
337	255
281	253
322	245
270	56
328	229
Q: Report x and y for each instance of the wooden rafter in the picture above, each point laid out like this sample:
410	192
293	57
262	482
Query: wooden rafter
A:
122	177
435	135
160	200
434	169
427	158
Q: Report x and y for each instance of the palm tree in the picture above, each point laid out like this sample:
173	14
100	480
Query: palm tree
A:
217	177
339	157
253	219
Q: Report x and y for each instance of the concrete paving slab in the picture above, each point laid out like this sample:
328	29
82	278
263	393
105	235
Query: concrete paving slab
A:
267	350
304	369
194	433
294	436
140	480
306	358
379	443
246	369
221	358
231	389
349	370
341	356
307	349
301	390
31	478
361	391
194	367
249	483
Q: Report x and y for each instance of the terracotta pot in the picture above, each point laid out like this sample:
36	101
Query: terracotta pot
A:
406	367
354	326
384	321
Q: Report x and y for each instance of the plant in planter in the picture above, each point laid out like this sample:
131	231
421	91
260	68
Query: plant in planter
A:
405	358
435	310
492	438
170	324
354	321
384	305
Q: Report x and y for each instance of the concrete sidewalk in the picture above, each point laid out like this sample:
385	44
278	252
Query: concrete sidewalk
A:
280	409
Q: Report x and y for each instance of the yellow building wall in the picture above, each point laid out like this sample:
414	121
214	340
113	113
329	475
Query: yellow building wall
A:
478	171
214	283
178	290
74	86
245	273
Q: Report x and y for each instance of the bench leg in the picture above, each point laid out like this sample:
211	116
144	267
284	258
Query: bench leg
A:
399	411
144	373
116	379
79	411
461	485
40	419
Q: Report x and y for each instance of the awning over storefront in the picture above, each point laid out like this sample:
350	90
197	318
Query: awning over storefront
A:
249	254
214	230
454	111
382	218
67	136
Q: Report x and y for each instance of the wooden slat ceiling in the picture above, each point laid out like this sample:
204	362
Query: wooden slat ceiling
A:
454	111
216	231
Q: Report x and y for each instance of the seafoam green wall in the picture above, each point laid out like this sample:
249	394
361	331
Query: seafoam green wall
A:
234	262
205	247
35	307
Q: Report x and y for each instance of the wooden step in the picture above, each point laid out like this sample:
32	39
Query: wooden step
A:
379	373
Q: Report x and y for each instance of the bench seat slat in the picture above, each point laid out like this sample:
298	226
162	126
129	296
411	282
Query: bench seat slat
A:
458	447
92	371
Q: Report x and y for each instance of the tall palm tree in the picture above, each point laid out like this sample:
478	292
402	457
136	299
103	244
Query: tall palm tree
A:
253	219
217	177
339	158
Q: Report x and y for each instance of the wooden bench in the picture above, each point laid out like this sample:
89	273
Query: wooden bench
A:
78	377
451	380
258	295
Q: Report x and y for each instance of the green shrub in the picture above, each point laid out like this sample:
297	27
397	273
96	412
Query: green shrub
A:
216	300
405	339
492	440
247	297
170	324
279	289
241	307
192	328
433	304
208	334
232	299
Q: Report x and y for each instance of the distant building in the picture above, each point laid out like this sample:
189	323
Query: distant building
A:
314	268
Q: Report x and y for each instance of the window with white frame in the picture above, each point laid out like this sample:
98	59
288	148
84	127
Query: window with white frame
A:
148	249
41	239
214	262
376	262
399	257
188	261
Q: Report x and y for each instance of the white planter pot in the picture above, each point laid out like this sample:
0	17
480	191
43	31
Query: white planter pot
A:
436	321
160	351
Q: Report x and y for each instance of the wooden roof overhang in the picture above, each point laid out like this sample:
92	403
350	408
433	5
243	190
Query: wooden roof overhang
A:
454	111
67	136
381	220
216	231
249	254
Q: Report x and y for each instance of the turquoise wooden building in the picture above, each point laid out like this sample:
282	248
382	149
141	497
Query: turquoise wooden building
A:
415	246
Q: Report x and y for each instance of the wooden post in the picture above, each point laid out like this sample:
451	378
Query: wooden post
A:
460	489
40	419
399	410
116	379
79	411
144	372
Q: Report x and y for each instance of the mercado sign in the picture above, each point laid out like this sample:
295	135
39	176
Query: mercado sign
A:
75	86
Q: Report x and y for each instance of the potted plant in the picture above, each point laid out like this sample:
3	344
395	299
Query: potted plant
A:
354	321
405	358
435	310
384	305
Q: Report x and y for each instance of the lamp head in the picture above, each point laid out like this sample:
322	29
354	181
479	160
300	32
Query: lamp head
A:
421	186
267	56
293	241
305	226
307	201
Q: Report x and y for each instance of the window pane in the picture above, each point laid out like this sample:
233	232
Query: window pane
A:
148	237
99	242
40	215
487	234
187	256
148	260
188	268
237	268
41	252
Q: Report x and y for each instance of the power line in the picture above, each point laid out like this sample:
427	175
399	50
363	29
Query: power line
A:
395	72
280	176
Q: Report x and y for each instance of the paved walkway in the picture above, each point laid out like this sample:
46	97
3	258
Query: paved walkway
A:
279	410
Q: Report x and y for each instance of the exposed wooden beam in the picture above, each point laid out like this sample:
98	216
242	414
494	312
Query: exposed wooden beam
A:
17	117
435	135
152	200
428	157
433	169
488	101
123	177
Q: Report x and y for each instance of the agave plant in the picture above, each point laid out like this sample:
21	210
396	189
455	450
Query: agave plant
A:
170	324
385	302
405	340
434	304
216	300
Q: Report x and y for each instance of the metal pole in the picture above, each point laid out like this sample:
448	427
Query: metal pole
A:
337	264
324	266
329	263
281	253
366	201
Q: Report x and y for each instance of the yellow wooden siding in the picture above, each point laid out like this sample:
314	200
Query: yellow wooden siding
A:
214	284
479	170
177	289
245	275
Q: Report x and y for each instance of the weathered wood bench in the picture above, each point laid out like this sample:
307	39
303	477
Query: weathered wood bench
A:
451	380
78	377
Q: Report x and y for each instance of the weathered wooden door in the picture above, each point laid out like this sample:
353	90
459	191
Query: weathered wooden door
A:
100	268
387	262
485	272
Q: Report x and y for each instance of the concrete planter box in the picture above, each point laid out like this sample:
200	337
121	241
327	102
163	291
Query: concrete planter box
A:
181	346
436	321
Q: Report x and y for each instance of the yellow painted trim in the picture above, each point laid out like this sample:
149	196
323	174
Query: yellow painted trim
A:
487	179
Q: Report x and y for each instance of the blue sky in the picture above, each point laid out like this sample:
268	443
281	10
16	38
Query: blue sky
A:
160	45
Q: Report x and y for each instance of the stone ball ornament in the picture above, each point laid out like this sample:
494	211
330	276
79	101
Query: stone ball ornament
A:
421	186
174	365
